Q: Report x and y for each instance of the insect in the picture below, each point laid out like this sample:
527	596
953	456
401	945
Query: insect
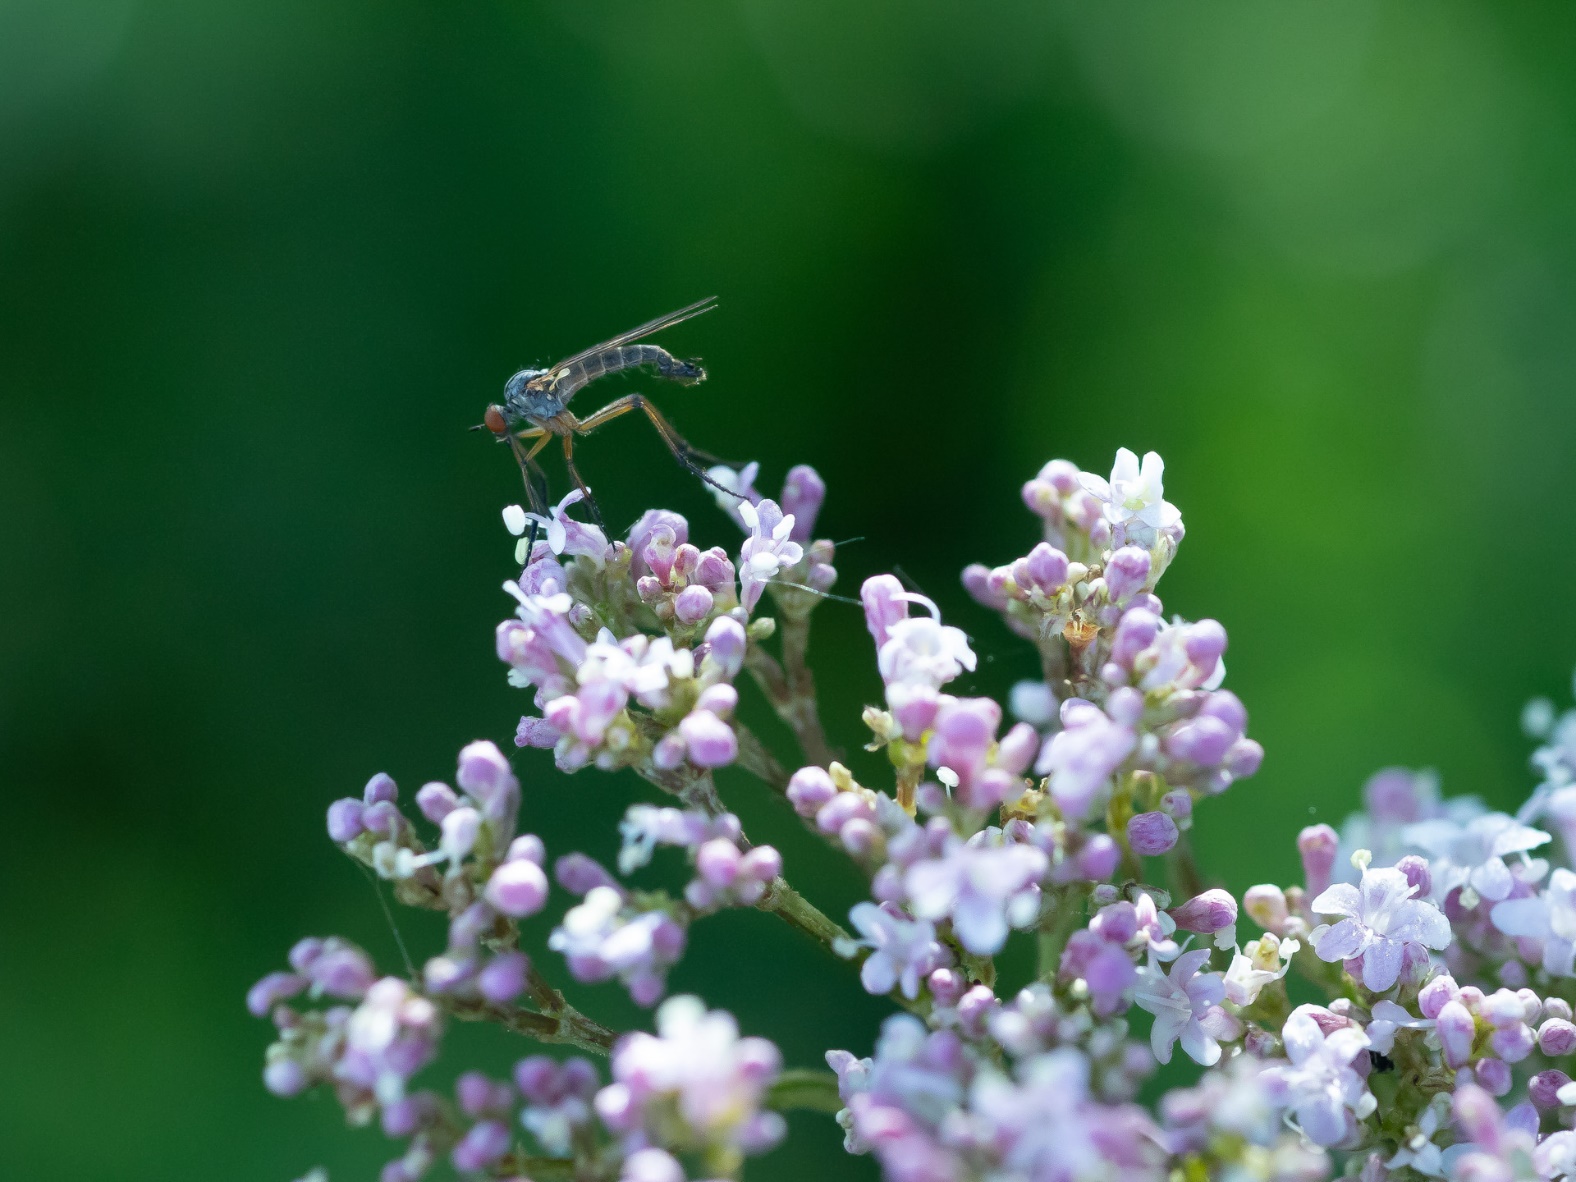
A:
535	404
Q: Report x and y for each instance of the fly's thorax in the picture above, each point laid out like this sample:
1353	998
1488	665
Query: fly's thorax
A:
525	400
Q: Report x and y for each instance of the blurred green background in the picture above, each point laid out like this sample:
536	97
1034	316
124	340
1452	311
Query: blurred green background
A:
264	263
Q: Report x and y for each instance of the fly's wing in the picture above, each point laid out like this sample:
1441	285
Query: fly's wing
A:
688	312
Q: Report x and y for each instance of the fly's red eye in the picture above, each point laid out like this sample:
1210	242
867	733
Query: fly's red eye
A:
495	422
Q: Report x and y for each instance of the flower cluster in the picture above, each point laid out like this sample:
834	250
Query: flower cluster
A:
1433	940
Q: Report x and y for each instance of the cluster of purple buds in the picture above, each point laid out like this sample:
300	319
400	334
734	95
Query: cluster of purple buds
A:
933	1108
727	873
859	820
1101	962
476	830
1040	1019
693	1086
682	584
369	1051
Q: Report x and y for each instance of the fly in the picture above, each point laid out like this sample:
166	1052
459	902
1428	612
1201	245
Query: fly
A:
535	404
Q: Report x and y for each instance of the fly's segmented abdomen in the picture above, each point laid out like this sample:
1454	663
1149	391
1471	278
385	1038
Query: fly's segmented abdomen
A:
625	357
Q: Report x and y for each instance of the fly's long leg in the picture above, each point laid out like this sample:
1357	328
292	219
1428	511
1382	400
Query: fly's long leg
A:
574	474
677	444
535	481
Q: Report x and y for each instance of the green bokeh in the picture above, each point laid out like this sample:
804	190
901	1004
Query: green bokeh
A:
262	264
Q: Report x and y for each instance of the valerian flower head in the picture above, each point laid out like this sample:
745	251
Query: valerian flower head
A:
1380	921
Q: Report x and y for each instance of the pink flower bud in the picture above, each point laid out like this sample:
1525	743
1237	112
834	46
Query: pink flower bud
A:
503	979
1210	912
1557	1038
693	604
1151	834
808	789
1432	997
1317	844
344	820
1543	1088
1456	1032
1266	906
380	787
1126	573
1418	874
519	888
711	741
717	862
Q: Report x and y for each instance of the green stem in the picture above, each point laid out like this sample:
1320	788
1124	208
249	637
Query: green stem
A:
1057	926
791	692
799	913
812	1091
569	1027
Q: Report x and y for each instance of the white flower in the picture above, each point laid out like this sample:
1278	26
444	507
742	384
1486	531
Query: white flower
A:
740	489
1472	853
1550	917
1255	965
1318	1084
1186	1006
1381	921
923	649
1135	497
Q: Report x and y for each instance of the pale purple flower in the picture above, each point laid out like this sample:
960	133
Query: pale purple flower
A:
769	549
1318	1085
646	826
603	938
391	1035
1081	758
557	1097
733	488
1387	1019
904	950
984	889
1186	1006
1420	1151
1381	921
1473	852
1549	917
